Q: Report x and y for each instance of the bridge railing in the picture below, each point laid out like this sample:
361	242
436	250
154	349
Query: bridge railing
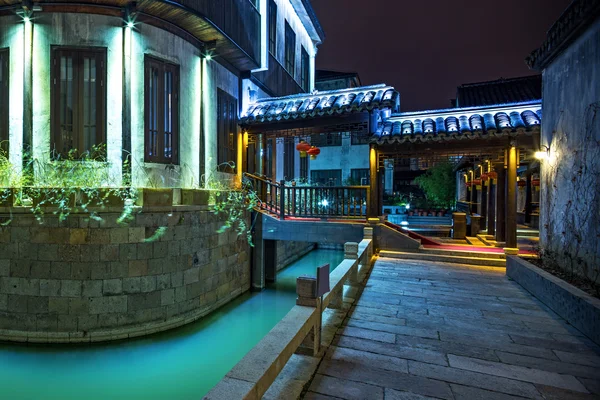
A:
344	202
256	372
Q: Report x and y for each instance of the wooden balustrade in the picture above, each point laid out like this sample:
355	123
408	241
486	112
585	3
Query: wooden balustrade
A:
311	201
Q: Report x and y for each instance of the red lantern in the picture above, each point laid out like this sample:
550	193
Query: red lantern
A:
484	177
477	182
492	175
535	182
522	183
313	152
303	147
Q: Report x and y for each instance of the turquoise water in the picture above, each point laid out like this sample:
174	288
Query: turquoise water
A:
180	364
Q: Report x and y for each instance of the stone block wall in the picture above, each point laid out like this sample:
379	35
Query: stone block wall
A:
288	252
83	280
570	182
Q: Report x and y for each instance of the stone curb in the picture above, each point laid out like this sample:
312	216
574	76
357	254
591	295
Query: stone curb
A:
574	305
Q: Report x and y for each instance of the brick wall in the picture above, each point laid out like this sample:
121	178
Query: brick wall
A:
83	280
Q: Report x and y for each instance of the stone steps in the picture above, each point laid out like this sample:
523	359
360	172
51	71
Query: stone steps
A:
467	252
424	256
474	241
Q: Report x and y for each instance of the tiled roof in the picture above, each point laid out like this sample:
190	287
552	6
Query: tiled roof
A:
461	123
333	102
501	91
576	18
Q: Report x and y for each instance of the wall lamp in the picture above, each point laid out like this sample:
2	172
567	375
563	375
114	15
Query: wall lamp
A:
209	49
543	153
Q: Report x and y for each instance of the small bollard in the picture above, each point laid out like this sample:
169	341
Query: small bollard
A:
368	233
306	289
459	225
373	221
351	251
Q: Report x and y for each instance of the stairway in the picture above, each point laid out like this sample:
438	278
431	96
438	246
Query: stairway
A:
450	256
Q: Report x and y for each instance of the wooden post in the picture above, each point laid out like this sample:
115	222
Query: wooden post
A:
126	158
282	200
491	207
500	205
528	199
373	192
511	198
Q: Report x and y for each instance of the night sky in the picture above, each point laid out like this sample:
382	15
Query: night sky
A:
426	48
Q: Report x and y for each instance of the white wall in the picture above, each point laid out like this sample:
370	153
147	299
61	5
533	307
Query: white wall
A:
286	12
345	157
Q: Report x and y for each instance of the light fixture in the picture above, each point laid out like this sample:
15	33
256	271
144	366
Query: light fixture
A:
208	57
130	24
543	153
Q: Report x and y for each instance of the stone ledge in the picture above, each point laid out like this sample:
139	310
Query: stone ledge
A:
574	305
8	335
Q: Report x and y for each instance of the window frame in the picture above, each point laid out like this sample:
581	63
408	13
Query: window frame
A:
332	139
359	173
163	66
4	99
78	54
304	69
272	28
289	159
290	49
329	173
223	125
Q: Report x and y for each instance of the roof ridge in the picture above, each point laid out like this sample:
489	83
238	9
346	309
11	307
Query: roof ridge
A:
501	80
317	93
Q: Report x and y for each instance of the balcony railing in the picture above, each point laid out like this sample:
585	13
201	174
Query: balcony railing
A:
346	202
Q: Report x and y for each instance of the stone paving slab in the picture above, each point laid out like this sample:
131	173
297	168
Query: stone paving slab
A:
423	330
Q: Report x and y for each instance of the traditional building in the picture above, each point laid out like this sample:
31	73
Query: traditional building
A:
148	93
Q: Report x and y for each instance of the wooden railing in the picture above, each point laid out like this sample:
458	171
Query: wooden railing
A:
345	202
256	372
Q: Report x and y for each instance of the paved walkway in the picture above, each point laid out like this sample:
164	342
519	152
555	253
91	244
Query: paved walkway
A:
424	330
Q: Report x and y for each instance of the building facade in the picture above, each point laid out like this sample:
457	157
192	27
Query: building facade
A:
145	94
570	180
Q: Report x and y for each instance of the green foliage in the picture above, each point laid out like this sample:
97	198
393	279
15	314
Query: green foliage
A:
80	183
439	185
233	202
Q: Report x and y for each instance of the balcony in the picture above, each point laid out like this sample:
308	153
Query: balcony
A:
234	25
276	80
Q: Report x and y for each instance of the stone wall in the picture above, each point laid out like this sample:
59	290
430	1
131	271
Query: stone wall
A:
288	252
83	280
570	196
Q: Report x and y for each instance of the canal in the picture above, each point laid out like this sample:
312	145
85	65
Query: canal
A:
180	364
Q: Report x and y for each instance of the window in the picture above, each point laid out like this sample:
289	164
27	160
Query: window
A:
304	168
226	131
4	104
326	177
161	116
78	108
359	176
290	49
304	70
327	140
272	27
289	149
358	139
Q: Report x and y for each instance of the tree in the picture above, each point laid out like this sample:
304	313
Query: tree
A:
439	184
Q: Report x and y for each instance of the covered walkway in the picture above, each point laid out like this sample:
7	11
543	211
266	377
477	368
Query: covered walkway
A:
425	330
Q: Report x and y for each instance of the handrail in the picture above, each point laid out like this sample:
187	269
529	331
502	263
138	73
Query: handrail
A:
255	373
311	201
